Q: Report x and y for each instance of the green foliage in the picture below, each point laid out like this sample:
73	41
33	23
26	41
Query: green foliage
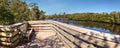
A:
13	11
37	14
41	15
113	17
5	19
5	15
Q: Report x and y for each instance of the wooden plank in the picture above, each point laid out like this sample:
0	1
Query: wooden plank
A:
68	30
10	44
8	34
40	25
6	29
99	42
23	28
17	24
68	43
66	46
4	39
70	37
38	22
12	27
43	30
30	32
28	35
74	40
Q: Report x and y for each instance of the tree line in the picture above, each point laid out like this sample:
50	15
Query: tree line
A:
13	11
113	17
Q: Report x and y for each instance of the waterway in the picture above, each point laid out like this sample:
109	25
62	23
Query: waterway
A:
101	27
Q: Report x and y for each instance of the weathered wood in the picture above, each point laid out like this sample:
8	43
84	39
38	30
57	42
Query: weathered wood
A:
90	36
23	27
10	44
4	39
74	33
99	42
7	28
68	43
11	35
38	22
28	35
42	25
42	28
72	36
8	34
74	40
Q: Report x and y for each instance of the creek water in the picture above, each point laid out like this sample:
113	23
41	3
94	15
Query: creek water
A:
98	26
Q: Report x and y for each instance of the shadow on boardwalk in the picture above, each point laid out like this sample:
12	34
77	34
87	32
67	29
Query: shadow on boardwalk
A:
50	42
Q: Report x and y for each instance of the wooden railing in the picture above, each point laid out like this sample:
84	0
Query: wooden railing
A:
41	26
76	37
11	35
72	36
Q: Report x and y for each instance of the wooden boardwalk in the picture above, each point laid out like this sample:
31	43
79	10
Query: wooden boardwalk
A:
44	37
50	41
53	34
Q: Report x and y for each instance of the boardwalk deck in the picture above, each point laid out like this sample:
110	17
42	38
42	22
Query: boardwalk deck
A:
53	34
43	40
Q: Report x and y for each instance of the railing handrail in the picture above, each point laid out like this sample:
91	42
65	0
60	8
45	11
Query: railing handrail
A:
87	36
94	33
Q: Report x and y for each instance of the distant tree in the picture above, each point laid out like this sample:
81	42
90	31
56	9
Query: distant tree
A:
41	15
12	11
35	13
113	17
5	15
64	15
20	10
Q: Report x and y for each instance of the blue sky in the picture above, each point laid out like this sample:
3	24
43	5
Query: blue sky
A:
77	6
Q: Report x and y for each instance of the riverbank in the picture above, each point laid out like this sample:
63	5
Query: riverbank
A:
98	26
113	17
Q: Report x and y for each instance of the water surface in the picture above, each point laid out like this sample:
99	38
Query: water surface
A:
102	27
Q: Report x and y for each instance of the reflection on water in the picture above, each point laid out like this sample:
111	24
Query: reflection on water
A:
102	27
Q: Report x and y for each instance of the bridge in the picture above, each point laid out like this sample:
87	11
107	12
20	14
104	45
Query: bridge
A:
70	36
